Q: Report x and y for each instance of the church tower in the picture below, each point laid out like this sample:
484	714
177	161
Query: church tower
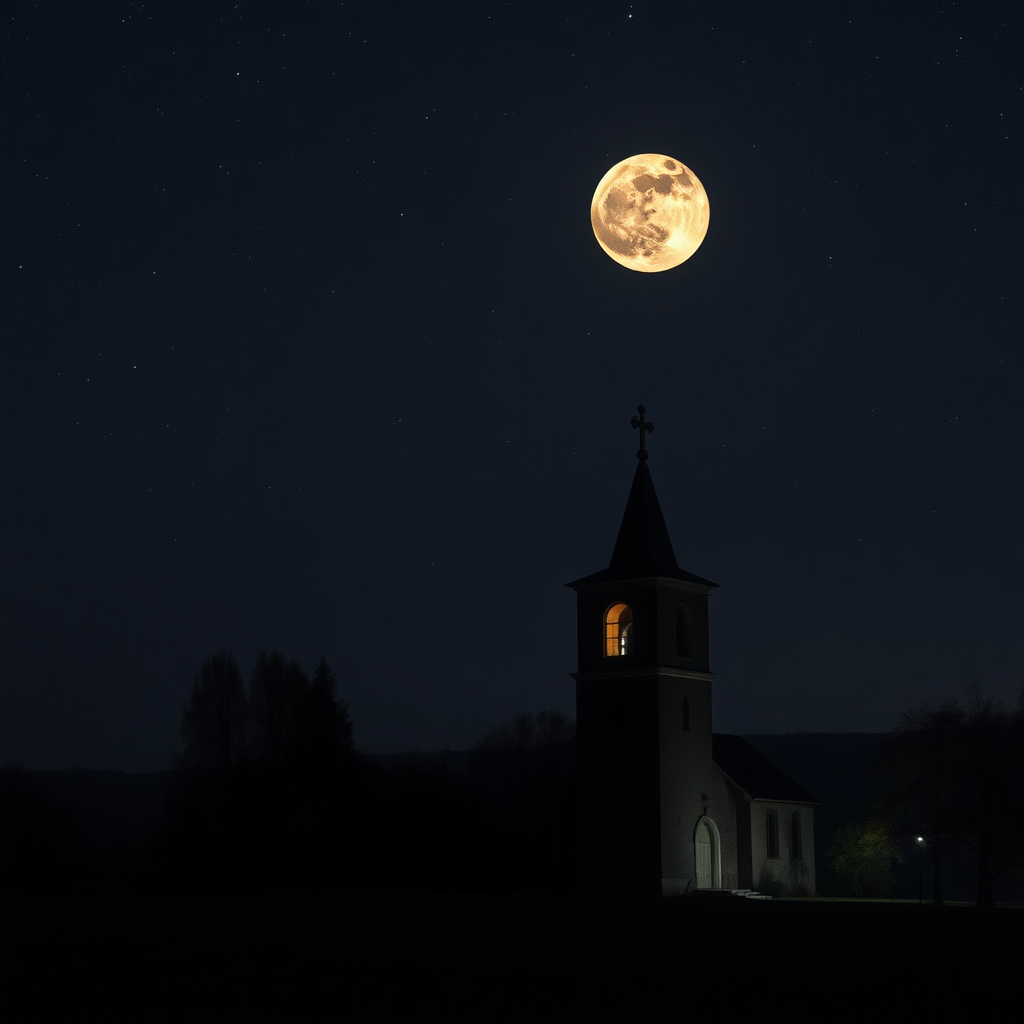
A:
643	711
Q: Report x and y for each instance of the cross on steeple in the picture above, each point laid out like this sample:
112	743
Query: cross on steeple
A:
642	425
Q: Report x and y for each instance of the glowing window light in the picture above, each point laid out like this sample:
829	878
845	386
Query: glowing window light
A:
618	631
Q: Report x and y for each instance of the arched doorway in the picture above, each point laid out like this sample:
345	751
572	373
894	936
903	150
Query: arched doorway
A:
707	849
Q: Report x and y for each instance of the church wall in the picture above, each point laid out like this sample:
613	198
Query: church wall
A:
682	753
744	849
730	835
618	785
669	596
688	775
790	872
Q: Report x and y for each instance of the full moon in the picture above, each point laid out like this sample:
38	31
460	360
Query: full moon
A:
650	213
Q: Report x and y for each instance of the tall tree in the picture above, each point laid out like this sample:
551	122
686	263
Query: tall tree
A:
955	777
278	695
214	722
326	727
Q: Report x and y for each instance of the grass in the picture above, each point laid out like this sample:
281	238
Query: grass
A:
381	956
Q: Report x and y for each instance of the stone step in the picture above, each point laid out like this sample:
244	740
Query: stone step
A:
750	894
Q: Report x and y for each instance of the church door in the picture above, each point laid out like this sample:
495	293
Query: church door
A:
705	857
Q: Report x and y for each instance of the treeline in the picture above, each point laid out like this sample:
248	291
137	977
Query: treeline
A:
270	794
267	785
953	784
284	718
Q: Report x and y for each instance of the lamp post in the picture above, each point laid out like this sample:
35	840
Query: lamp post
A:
920	869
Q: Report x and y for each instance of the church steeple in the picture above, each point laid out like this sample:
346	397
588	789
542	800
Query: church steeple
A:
650	794
643	699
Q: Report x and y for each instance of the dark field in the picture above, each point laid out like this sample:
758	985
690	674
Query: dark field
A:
508	957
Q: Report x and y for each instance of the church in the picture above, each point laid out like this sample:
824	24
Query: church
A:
663	804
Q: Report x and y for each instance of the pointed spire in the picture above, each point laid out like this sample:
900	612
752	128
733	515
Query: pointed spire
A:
643	548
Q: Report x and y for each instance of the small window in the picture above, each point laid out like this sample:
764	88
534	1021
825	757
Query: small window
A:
772	834
684	630
618	631
686	714
796	839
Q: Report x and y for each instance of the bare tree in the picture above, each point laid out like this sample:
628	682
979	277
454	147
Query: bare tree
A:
214	722
955	777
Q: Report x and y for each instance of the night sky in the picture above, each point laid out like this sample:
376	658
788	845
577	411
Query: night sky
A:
307	345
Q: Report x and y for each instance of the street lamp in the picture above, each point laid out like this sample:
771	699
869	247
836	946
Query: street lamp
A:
920	869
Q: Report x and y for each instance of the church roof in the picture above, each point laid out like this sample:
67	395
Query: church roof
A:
754	773
642	548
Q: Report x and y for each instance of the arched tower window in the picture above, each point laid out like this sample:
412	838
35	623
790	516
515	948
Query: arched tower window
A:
618	630
684	630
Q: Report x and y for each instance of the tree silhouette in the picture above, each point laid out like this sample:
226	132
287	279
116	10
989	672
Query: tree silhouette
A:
955	777
326	726
284	718
278	692
214	722
282	807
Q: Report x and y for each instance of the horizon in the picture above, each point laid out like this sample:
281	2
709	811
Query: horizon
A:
437	752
